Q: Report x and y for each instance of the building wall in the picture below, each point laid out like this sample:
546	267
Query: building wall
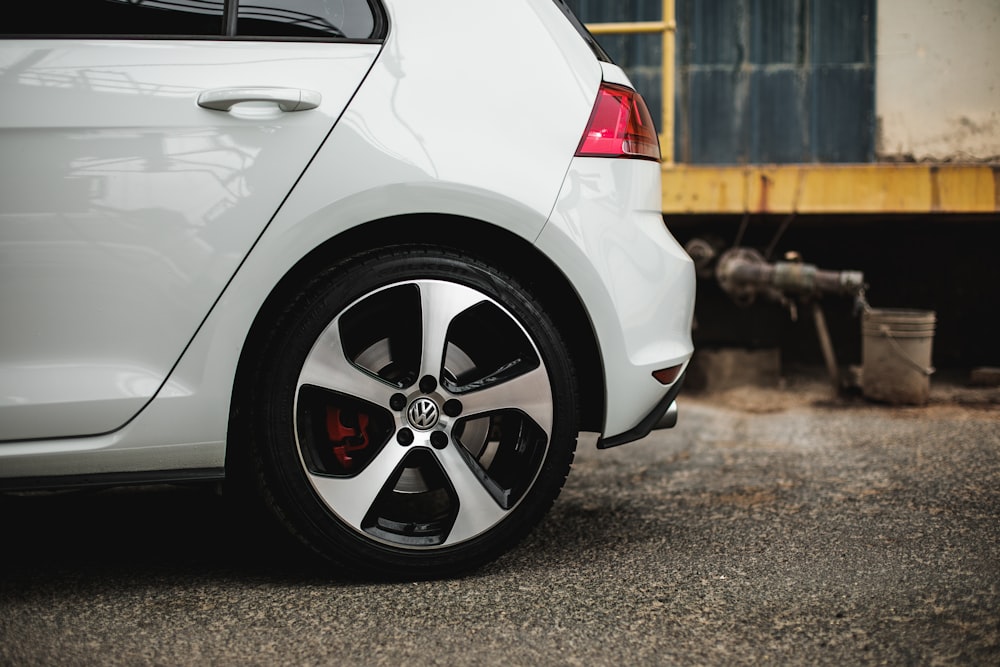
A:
774	81
794	120
938	80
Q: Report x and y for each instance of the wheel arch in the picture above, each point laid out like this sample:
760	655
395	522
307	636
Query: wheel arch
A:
484	240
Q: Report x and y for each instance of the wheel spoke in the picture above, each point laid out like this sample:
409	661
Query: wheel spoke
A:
430	492
351	498
478	510
530	393
328	367
440	304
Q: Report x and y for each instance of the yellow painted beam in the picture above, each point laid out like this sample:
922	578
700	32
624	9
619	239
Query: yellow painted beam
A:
627	28
829	188
667	83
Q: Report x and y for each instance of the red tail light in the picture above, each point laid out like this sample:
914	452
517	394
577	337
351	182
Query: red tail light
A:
620	126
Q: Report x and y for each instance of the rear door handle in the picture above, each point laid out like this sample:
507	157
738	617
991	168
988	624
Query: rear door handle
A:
287	99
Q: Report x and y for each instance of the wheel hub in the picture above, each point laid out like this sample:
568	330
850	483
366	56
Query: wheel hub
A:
423	414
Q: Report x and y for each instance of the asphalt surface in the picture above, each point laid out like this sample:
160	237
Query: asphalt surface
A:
769	527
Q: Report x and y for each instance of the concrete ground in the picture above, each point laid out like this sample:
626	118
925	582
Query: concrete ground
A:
778	526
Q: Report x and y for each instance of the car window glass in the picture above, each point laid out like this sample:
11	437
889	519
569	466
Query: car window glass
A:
351	19
116	17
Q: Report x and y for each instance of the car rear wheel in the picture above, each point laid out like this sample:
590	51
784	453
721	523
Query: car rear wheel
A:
414	414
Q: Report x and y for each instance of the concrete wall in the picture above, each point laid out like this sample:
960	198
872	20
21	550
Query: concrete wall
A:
938	80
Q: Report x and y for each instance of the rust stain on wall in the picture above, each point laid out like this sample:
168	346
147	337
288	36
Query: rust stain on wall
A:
935	188
765	186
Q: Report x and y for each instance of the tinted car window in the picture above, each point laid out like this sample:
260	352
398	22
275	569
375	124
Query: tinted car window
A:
116	17
350	19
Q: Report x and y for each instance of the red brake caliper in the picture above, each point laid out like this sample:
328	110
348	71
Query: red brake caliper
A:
346	439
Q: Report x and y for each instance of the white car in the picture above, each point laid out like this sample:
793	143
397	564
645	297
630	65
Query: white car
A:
377	264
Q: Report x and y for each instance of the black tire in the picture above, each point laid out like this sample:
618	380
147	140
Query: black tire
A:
414	413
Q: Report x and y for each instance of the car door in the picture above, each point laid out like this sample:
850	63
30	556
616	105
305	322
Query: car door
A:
144	146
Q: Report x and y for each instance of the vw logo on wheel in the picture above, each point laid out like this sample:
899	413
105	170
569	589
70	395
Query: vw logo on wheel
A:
423	414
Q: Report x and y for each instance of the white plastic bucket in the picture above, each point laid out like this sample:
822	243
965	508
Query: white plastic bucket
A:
896	355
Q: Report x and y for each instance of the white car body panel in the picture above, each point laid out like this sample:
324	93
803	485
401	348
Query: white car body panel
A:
131	206
638	282
406	134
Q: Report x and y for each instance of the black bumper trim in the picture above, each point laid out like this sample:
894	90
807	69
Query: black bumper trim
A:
649	422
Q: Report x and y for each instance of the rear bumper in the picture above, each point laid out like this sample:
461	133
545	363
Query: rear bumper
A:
663	415
608	237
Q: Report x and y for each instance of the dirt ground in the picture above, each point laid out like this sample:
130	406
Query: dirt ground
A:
951	395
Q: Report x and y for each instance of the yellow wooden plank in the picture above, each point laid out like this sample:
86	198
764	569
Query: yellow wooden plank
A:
859	188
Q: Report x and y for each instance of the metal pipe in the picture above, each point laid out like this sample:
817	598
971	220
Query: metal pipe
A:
631	27
744	271
826	345
669	418
667	80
